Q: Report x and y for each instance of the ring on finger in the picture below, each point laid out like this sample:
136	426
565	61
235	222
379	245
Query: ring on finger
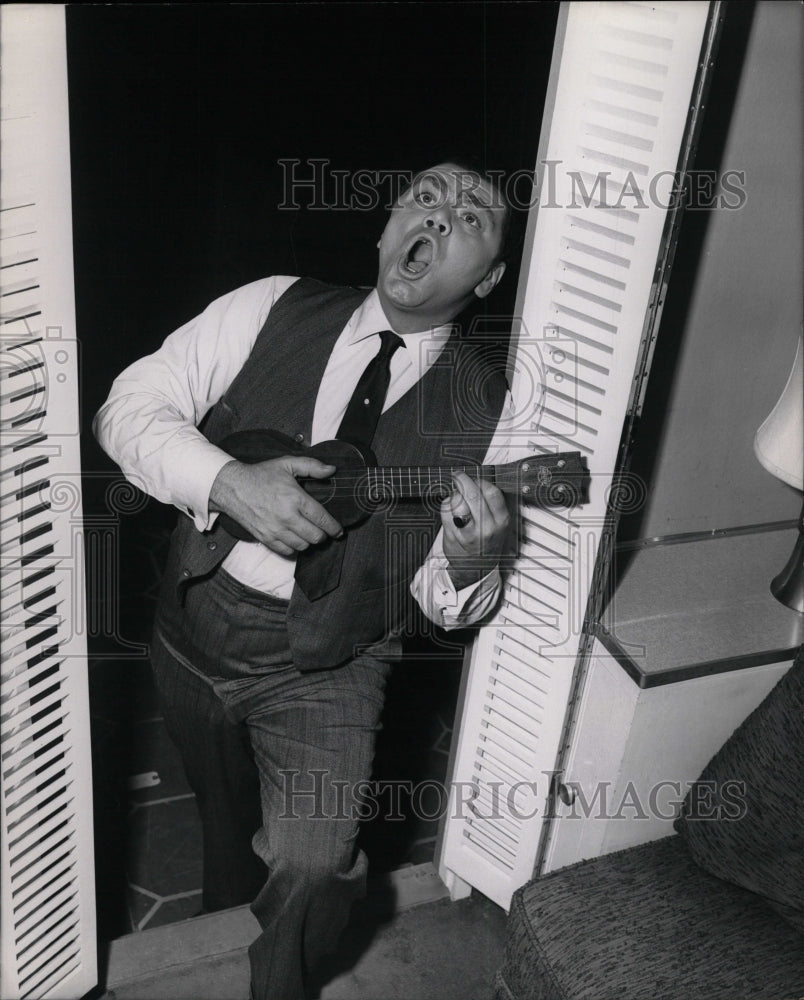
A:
461	520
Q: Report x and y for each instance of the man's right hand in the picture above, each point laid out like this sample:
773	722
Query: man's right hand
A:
266	500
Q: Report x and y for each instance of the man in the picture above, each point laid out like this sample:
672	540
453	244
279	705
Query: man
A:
275	652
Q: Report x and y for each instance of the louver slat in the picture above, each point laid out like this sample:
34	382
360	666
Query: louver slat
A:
30	898
622	80
46	862
48	850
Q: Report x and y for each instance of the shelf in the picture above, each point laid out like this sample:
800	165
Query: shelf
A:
702	607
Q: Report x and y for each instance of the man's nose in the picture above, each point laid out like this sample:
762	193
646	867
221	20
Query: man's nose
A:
439	219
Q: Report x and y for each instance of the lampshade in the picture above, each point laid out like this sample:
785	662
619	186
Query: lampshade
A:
779	446
779	442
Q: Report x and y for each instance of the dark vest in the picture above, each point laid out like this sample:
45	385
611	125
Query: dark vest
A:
448	418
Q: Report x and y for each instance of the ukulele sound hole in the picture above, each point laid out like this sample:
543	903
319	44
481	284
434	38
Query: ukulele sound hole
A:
322	490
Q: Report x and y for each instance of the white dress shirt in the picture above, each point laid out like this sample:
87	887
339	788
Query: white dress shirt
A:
148	426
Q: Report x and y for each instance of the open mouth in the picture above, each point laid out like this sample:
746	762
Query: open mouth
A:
418	258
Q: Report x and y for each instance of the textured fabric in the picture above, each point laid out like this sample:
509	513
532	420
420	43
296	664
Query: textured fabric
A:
646	924
219	765
501	991
744	819
275	758
450	417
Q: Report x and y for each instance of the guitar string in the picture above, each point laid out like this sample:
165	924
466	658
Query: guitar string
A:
397	482
406	477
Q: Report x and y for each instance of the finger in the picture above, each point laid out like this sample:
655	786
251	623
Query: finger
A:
455	522
482	506
466	488
304	465
297	540
456	506
300	533
486	503
446	513
462	501
275	545
454	511
319	518
495	501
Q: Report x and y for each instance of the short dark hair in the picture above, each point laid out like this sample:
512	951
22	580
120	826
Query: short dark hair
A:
511	230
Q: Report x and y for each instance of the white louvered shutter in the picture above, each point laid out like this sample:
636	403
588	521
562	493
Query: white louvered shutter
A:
621	83
46	854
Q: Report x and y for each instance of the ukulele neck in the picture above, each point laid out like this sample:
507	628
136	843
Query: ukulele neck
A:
411	482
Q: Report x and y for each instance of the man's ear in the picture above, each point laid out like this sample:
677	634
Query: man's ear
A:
491	279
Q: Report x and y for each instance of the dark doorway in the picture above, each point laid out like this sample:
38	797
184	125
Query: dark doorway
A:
187	124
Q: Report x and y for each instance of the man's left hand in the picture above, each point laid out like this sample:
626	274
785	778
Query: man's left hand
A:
475	520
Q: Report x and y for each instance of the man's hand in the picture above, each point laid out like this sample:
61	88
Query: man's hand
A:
473	546
266	500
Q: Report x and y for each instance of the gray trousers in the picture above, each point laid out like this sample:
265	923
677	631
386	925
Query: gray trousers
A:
275	758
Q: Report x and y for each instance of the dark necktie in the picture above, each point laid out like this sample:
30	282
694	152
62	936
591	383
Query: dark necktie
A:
363	412
318	568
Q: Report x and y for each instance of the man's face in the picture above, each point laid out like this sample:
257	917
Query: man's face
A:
438	248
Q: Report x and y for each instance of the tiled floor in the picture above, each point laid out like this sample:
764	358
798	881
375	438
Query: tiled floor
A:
436	951
163	858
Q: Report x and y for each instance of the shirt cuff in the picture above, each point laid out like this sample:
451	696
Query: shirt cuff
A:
192	483
448	607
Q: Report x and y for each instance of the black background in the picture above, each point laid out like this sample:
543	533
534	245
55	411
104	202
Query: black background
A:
179	115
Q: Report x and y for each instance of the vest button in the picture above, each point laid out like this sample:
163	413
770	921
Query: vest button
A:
212	546
186	572
298	437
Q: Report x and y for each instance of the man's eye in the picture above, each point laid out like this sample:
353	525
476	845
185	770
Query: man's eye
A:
471	219
425	198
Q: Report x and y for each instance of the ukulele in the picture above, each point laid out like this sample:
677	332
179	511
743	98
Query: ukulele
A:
359	487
